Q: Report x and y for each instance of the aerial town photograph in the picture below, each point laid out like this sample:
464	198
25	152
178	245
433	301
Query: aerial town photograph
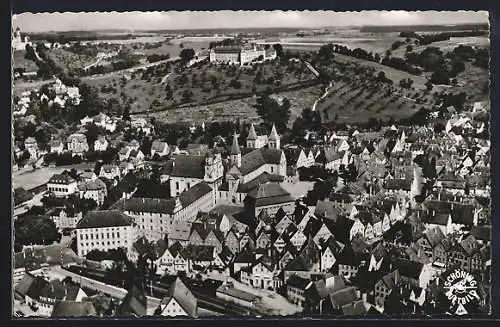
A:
217	164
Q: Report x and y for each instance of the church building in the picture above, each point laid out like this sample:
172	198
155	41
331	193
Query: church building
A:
252	166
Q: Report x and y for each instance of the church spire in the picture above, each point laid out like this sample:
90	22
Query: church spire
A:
252	135
235	148
274	135
235	154
274	139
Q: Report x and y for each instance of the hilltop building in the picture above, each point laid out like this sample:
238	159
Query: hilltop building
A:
240	55
19	42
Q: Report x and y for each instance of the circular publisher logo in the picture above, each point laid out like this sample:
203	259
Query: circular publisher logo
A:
461	289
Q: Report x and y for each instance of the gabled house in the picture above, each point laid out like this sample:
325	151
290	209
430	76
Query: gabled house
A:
77	144
223	260
29	289
430	240
414	273
181	259
340	299
264	239
110	171
93	189
56	146
467	255
296	288
165	261
244	259
56	291
385	286
159	148
134	304
232	241
330	250
179	301
306	263
124	153
199	256
283	224
288	254
262	274
348	262
101	144
65	217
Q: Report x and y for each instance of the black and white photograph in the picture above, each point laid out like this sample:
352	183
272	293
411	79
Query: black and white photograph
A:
221	164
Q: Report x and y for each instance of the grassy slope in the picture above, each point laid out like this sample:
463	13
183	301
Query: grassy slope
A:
20	62
243	108
144	92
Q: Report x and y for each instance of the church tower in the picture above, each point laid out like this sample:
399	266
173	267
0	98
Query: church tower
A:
252	137
274	139
235	154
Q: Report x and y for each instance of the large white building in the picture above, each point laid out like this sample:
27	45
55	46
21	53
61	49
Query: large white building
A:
240	55
105	230
155	217
62	185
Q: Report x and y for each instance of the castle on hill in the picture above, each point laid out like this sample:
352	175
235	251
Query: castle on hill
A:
19	42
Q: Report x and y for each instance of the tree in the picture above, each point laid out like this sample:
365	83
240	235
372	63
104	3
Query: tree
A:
428	85
35	230
126	112
92	134
186	55
279	50
273	113
325	52
440	76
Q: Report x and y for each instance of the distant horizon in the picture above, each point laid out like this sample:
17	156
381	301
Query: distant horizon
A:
228	20
241	28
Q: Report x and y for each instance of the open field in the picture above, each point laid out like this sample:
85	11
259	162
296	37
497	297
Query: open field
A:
234	109
173	47
69	60
445	46
371	42
31	179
